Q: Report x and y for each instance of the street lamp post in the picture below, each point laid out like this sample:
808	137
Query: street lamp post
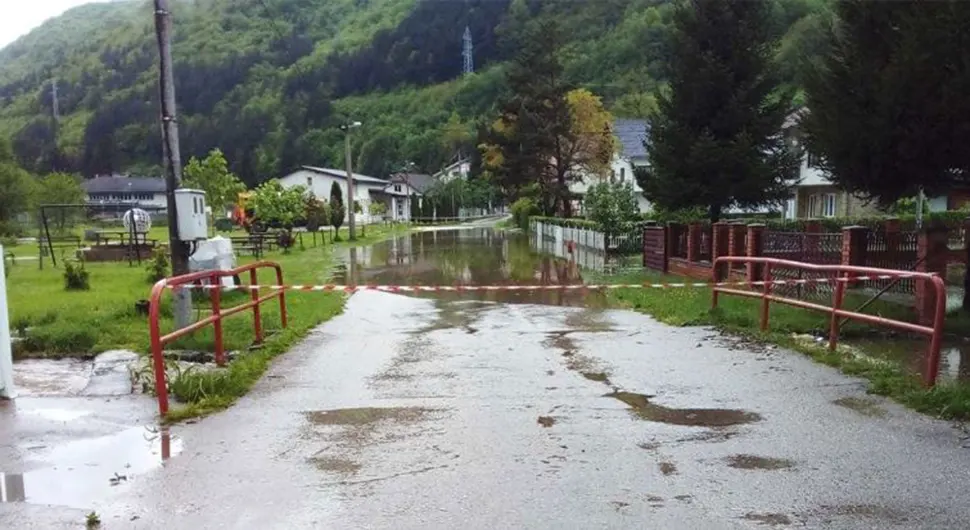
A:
351	215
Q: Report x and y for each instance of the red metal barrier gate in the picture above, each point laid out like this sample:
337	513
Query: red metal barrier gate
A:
845	275
214	278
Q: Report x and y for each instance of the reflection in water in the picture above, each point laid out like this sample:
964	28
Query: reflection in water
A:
79	473
479	256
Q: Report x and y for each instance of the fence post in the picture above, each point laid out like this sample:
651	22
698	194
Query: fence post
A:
932	253
693	242
673	238
736	244
720	246
854	242
6	352
891	228
755	249
813	227
966	262
657	237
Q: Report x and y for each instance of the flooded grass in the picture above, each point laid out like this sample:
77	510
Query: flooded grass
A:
546	421
759	462
642	408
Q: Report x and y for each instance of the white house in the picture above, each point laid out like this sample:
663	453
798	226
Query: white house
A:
116	190
458	169
631	153
367	190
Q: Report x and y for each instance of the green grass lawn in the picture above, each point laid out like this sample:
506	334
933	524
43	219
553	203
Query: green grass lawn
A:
55	323
692	307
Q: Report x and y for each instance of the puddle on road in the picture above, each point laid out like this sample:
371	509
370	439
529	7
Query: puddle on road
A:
759	462
340	466
642	408
356	417
79	473
768	519
865	406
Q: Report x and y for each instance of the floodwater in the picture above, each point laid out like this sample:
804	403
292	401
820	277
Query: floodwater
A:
910	352
477	256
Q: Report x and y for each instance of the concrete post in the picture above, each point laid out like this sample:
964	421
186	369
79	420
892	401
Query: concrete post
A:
6	353
756	245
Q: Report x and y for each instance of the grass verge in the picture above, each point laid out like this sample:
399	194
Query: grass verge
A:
692	307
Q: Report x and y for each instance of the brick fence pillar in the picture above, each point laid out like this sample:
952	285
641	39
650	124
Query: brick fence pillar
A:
655	255
810	248
693	242
673	239
854	242
720	240
891	228
736	244
932	253
755	248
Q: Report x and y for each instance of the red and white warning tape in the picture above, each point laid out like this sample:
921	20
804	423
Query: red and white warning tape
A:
576	287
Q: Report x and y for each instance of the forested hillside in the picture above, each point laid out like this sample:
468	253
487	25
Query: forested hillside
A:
268	81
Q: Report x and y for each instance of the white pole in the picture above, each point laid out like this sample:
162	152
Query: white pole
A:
6	354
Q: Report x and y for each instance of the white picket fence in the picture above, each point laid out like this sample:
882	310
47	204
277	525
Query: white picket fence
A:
588	249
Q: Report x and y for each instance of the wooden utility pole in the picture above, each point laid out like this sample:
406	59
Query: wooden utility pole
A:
172	157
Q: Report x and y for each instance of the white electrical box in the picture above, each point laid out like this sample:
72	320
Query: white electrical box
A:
193	223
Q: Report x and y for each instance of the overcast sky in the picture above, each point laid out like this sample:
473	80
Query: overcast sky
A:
18	17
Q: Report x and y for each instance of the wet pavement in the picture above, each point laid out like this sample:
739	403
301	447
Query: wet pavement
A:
520	411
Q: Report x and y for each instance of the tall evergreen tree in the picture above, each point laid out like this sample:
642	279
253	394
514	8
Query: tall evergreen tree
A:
716	139
888	111
337	209
534	120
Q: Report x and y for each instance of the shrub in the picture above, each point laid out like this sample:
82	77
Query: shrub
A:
62	338
522	209
613	206
158	267
76	278
223	225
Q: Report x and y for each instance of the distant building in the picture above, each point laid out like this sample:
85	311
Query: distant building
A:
367	190
116	190
461	168
631	153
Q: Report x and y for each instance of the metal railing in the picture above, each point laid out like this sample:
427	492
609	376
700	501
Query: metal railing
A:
214	279
844	276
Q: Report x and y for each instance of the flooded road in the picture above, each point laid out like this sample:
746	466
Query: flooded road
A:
533	410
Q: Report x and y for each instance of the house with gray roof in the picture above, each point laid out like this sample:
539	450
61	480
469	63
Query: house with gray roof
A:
367	191
125	190
631	153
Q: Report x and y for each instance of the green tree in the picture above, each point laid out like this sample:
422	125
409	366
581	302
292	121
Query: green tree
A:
317	213
337	209
716	140
212	176
888	106
613	205
17	190
60	188
274	204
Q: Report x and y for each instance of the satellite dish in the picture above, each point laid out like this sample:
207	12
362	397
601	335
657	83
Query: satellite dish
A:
138	220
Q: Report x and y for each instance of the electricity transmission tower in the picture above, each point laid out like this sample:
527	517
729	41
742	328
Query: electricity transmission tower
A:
466	52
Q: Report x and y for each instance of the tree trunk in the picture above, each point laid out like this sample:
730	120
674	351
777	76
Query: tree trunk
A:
714	212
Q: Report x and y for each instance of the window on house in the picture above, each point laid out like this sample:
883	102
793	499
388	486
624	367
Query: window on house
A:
309	182
622	174
397	187
812	206
811	159
828	205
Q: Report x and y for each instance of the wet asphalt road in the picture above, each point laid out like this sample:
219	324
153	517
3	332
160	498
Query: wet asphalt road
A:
411	413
